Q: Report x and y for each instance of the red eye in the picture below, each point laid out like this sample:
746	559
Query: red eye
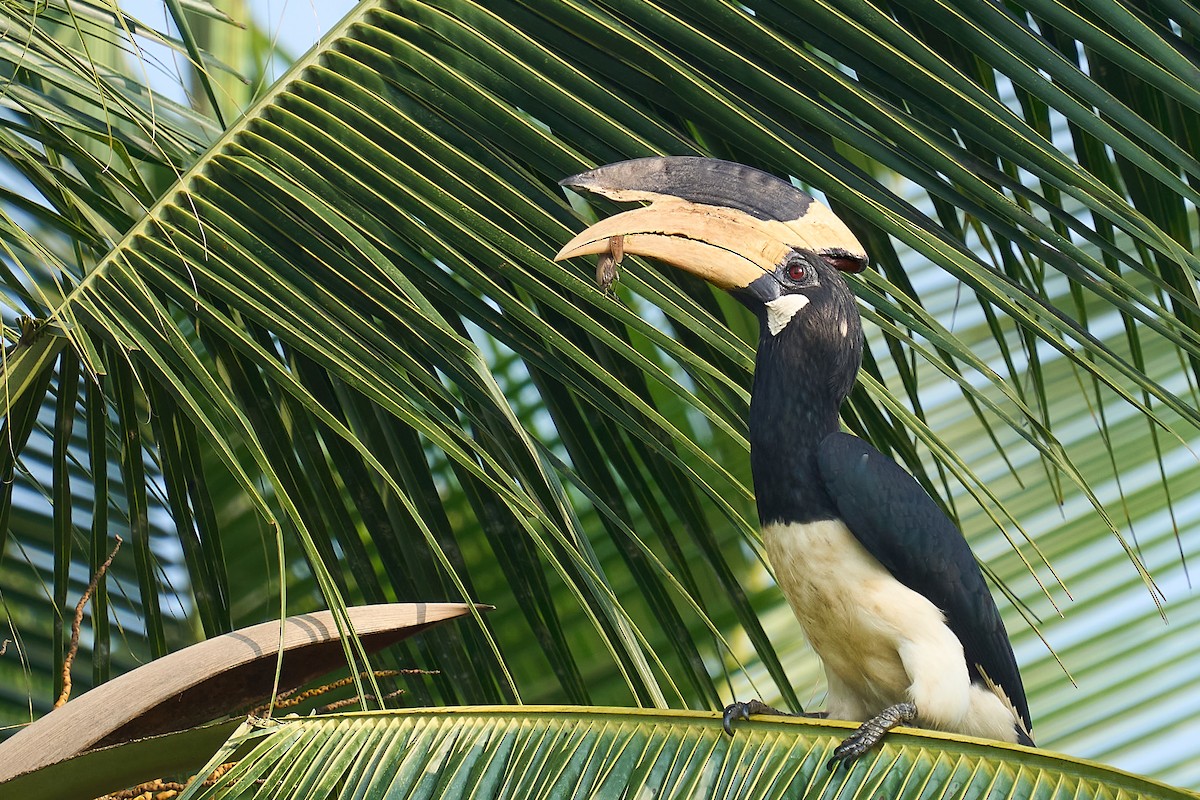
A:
797	271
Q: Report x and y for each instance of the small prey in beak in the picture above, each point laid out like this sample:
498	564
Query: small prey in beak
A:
607	263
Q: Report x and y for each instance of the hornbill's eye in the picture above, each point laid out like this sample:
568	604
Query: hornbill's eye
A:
797	270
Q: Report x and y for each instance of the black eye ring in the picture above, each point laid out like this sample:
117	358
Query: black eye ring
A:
845	262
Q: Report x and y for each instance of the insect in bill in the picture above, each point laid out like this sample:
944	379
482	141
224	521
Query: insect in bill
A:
607	263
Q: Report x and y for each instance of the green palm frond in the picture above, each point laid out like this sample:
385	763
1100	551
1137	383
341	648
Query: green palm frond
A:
484	752
597	752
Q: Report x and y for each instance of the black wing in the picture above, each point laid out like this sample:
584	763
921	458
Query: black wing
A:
900	525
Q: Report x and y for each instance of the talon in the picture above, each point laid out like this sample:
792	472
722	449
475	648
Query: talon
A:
870	733
738	710
847	752
743	710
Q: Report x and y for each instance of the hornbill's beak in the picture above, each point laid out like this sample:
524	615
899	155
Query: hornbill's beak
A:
724	222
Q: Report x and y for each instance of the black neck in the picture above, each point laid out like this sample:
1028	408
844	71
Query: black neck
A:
802	374
789	416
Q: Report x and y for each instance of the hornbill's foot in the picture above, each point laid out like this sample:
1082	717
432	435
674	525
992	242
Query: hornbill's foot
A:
743	710
870	733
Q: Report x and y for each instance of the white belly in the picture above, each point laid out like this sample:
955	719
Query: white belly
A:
880	642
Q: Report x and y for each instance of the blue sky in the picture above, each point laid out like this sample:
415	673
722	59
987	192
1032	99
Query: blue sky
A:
296	24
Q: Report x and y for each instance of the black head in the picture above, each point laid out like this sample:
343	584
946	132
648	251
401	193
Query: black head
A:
809	326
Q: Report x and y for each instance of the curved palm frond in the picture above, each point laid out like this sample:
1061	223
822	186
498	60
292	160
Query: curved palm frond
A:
596	752
483	752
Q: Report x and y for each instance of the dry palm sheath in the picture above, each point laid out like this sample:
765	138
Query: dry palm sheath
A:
882	582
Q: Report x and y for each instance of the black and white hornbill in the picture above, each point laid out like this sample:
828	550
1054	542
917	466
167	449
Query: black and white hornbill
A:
882	582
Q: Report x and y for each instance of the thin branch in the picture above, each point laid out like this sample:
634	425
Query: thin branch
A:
77	623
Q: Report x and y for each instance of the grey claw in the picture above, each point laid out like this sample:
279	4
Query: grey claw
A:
847	752
743	710
870	733
734	711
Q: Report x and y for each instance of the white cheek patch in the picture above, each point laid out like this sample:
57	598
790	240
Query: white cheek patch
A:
781	310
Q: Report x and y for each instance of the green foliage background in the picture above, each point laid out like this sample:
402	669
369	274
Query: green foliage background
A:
330	329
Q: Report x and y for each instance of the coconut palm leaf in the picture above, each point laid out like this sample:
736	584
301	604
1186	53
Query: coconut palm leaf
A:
569	751
334	359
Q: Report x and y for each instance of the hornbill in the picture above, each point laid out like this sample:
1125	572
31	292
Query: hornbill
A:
882	582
